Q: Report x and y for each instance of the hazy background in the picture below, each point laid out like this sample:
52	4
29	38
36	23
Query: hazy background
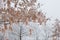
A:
51	8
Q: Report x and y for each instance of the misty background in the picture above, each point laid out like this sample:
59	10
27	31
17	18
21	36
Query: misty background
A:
51	8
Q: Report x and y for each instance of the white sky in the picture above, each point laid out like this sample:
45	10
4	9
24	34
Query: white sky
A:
51	8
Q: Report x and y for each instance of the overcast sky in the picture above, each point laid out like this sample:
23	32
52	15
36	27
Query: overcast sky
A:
51	8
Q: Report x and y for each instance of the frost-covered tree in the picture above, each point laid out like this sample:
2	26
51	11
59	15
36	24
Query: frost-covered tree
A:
56	32
27	12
